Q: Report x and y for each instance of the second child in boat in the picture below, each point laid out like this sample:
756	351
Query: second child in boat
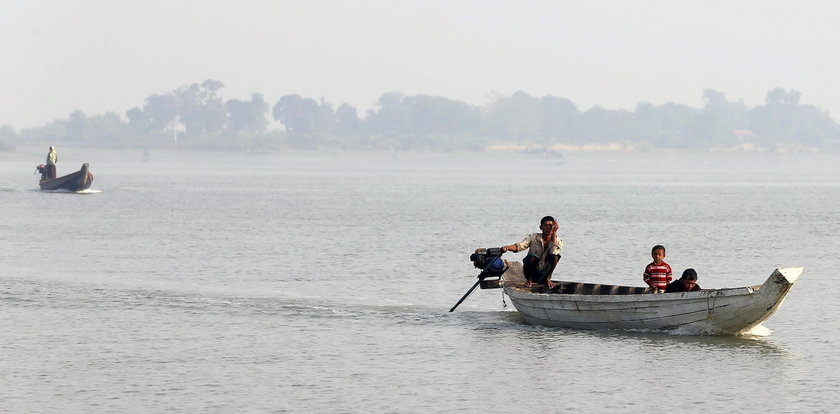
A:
686	283
658	273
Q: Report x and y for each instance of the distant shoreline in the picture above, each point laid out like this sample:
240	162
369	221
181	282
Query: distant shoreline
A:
556	150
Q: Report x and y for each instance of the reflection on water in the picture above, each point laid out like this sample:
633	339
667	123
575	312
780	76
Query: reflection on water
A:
490	325
762	345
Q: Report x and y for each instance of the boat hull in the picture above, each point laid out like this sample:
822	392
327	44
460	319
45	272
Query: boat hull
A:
711	311
77	181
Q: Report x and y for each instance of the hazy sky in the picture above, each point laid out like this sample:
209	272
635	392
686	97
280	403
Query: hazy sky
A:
109	55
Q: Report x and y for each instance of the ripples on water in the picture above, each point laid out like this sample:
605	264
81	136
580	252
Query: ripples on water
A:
321	283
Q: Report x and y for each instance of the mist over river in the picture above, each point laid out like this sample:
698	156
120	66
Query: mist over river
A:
321	281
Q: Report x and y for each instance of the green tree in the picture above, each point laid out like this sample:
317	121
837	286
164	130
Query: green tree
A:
663	125
300	116
715	125
782	121
159	112
517	118
202	110
247	117
7	134
197	107
347	120
779	96
138	120
422	121
560	119
605	126
388	118
107	128
437	115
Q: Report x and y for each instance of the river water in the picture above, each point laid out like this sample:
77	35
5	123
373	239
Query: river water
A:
321	282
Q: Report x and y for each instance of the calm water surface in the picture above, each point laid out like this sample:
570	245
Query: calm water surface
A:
320	282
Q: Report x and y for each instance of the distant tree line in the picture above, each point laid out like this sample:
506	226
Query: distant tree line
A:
196	116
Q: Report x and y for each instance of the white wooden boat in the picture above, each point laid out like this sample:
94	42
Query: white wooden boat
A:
597	306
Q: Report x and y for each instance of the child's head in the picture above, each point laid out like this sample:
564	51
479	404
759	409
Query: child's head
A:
658	253
689	279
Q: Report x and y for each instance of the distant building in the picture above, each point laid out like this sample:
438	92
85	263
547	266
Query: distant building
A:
748	140
745	134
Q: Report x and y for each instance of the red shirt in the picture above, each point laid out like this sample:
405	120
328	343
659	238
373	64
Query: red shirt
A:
658	275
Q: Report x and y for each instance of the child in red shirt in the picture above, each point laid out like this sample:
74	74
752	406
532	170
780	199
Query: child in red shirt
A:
658	273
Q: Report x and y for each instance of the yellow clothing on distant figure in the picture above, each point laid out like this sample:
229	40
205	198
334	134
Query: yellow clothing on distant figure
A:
52	157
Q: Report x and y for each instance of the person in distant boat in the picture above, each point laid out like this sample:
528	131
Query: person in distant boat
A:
686	283
658	273
52	159
543	253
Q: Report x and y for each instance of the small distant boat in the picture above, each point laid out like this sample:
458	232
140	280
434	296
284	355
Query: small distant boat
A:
581	305
77	181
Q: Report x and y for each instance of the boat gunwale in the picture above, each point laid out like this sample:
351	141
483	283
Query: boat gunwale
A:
702	294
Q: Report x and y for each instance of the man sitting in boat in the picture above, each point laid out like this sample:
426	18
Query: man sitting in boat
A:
686	283
52	159
543	253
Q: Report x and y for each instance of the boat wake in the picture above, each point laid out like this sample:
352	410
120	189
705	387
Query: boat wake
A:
63	191
756	331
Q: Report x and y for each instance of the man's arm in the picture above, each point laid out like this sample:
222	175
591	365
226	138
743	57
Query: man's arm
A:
510	248
518	246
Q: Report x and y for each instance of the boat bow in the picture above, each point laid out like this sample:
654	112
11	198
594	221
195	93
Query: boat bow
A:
791	274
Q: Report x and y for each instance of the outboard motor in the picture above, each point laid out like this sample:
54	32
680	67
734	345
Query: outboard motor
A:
492	266
41	168
489	261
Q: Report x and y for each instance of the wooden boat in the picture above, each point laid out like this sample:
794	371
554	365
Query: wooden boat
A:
77	181
599	306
